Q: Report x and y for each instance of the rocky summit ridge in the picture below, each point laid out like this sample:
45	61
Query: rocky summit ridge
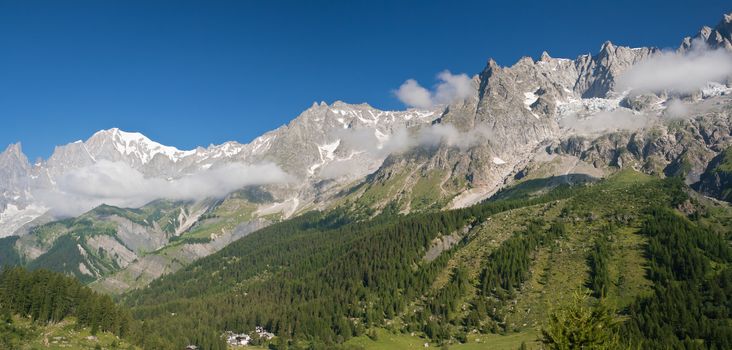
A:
525	110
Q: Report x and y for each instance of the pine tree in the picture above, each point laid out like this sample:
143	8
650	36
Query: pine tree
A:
581	325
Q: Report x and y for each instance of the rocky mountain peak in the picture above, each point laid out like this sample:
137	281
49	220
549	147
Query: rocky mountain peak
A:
15	171
705	32
13	162
718	37
725	26
545	57
14	151
525	60
492	65
607	48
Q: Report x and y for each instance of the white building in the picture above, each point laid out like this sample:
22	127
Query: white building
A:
237	339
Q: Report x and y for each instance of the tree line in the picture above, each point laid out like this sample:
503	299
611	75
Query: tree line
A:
691	304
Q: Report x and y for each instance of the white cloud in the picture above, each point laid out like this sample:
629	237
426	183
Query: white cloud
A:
449	135
118	184
618	119
676	109
451	87
679	72
338	169
403	139
414	95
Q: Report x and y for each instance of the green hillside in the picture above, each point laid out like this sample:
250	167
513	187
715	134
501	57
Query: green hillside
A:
23	334
44	309
502	274
322	279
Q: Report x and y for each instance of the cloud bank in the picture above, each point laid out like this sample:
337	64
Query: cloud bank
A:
676	109
617	119
365	140
451	87
118	184
404	139
679	72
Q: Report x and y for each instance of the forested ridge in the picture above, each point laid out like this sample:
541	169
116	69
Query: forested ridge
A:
337	278
324	278
49	297
691	304
46	296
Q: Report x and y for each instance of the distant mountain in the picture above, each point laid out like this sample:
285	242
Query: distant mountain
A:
305	148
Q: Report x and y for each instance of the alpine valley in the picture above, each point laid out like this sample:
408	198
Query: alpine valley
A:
561	204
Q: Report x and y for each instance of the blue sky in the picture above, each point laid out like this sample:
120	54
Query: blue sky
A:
188	73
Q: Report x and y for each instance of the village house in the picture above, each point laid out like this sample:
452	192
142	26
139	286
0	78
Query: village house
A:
263	334
243	339
237	339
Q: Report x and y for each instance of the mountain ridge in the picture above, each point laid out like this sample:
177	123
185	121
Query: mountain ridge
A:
549	117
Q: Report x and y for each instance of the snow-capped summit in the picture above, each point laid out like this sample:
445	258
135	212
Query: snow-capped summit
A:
131	144
312	147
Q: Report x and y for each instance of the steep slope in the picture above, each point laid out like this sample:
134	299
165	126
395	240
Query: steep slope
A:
230	219
716	181
121	248
107	238
16	208
448	277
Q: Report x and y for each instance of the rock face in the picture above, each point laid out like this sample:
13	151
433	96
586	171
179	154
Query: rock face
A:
117	249
716	181
14	173
141	270
533	110
518	108
521	104
717	37
16	207
681	149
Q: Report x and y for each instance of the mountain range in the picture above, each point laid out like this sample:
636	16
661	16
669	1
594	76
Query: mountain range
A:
535	119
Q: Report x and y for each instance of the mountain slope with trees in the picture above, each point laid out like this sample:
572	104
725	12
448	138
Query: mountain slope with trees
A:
323	278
